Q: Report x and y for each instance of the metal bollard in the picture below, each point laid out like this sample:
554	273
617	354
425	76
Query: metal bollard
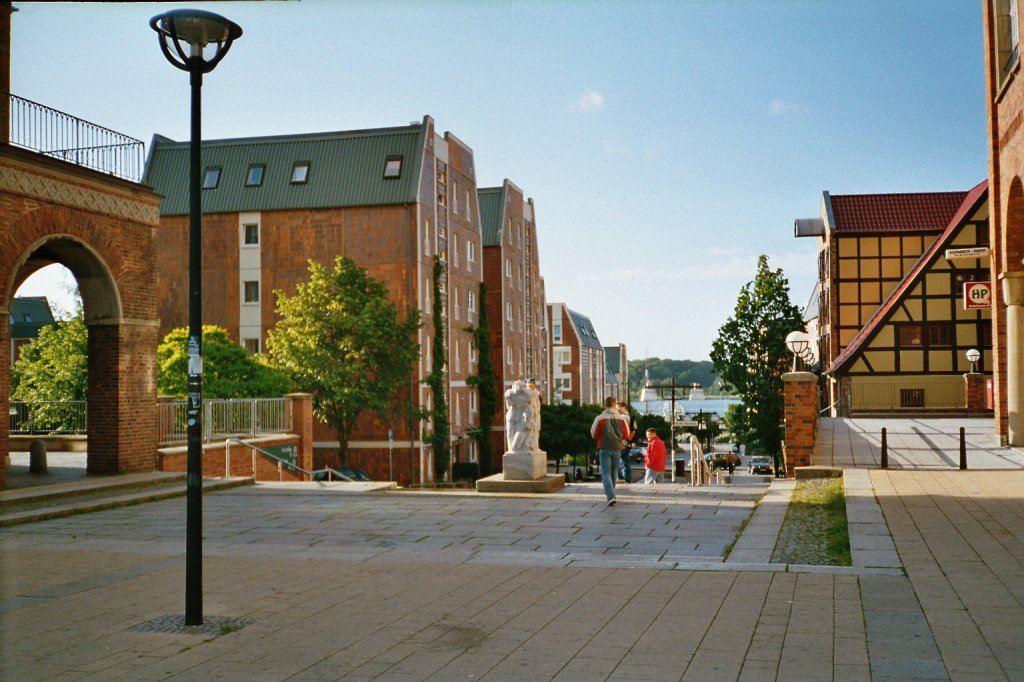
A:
963	450
885	451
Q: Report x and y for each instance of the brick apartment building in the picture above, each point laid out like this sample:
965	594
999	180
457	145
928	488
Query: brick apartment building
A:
391	199
1004	101
618	367
516	306
578	370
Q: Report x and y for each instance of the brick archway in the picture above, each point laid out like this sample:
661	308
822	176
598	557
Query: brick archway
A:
102	229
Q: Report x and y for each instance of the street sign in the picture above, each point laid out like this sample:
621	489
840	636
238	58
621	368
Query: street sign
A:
977	295
968	252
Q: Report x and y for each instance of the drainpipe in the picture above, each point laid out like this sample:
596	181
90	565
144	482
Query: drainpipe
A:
1013	298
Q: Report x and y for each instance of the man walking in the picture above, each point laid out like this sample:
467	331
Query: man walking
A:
626	471
609	431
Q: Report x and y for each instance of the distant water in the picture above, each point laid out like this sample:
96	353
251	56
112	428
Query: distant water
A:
662	407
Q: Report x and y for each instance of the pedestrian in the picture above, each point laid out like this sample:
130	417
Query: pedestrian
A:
609	431
731	460
625	470
654	458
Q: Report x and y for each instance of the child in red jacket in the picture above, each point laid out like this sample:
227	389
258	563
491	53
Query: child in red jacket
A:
654	458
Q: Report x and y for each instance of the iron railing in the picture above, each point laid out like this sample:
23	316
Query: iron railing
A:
325	474
50	416
226	418
62	136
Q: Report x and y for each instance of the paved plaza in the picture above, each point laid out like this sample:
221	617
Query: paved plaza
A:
327	581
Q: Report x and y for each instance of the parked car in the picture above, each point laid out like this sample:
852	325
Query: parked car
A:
636	453
760	464
350	472
716	460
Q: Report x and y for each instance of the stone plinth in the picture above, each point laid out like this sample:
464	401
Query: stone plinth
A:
499	484
524	466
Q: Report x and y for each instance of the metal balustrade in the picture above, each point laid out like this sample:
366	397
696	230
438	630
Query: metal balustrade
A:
47	416
226	418
54	133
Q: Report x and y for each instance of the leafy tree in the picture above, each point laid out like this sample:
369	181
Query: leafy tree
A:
736	420
340	339
750	353
53	369
484	381
228	371
653	421
663	370
440	437
565	429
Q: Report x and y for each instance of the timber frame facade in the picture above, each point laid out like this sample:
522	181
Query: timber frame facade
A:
909	355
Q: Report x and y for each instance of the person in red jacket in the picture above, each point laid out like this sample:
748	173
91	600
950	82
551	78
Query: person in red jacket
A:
654	458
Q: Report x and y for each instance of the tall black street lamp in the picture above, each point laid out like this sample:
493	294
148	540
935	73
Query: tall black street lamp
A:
184	35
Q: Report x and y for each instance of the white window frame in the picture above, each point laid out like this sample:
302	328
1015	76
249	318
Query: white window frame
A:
245	292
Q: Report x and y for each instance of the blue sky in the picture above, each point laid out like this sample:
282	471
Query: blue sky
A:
666	144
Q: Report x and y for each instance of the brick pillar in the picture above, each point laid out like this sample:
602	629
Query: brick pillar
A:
302	426
122	428
801	418
5	390
975	384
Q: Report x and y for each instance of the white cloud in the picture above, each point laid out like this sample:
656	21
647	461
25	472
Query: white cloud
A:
590	100
778	107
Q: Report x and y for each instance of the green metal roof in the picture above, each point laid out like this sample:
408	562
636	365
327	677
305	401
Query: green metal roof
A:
346	169
28	315
492	208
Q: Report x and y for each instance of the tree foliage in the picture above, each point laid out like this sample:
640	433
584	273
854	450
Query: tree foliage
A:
663	370
54	368
440	437
228	371
565	429
484	380
750	353
340	338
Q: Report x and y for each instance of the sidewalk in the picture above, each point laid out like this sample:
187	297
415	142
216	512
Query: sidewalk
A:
324	584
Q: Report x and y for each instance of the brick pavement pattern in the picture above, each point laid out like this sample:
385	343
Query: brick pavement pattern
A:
319	584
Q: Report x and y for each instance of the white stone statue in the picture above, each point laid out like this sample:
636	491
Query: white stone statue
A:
524	460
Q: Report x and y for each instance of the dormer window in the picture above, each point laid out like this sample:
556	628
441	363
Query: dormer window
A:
254	176
300	172
211	178
393	167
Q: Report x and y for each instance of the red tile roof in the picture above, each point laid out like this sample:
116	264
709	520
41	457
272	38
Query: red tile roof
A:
968	204
929	211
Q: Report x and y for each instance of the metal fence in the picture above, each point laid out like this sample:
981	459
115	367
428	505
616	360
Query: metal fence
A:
224	418
63	416
68	138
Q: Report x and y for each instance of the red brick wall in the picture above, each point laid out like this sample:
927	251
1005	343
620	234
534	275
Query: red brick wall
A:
102	229
227	460
801	419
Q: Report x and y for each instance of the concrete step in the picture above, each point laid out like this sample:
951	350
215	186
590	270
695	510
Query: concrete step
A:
36	503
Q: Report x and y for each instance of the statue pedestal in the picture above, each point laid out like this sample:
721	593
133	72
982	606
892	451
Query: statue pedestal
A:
525	466
497	484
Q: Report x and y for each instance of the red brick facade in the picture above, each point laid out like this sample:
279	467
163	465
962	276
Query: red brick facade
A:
101	229
1004	98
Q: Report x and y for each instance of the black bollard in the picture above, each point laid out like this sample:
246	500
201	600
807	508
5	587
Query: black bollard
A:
885	451
963	450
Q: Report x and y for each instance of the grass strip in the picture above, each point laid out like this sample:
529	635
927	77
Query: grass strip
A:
815	530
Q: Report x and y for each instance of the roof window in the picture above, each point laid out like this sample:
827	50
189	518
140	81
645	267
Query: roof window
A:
254	176
393	167
300	172
211	177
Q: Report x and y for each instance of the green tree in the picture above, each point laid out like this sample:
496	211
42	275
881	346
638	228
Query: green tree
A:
565	429
750	353
440	437
484	380
228	371
663	370
54	369
738	424
340	339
